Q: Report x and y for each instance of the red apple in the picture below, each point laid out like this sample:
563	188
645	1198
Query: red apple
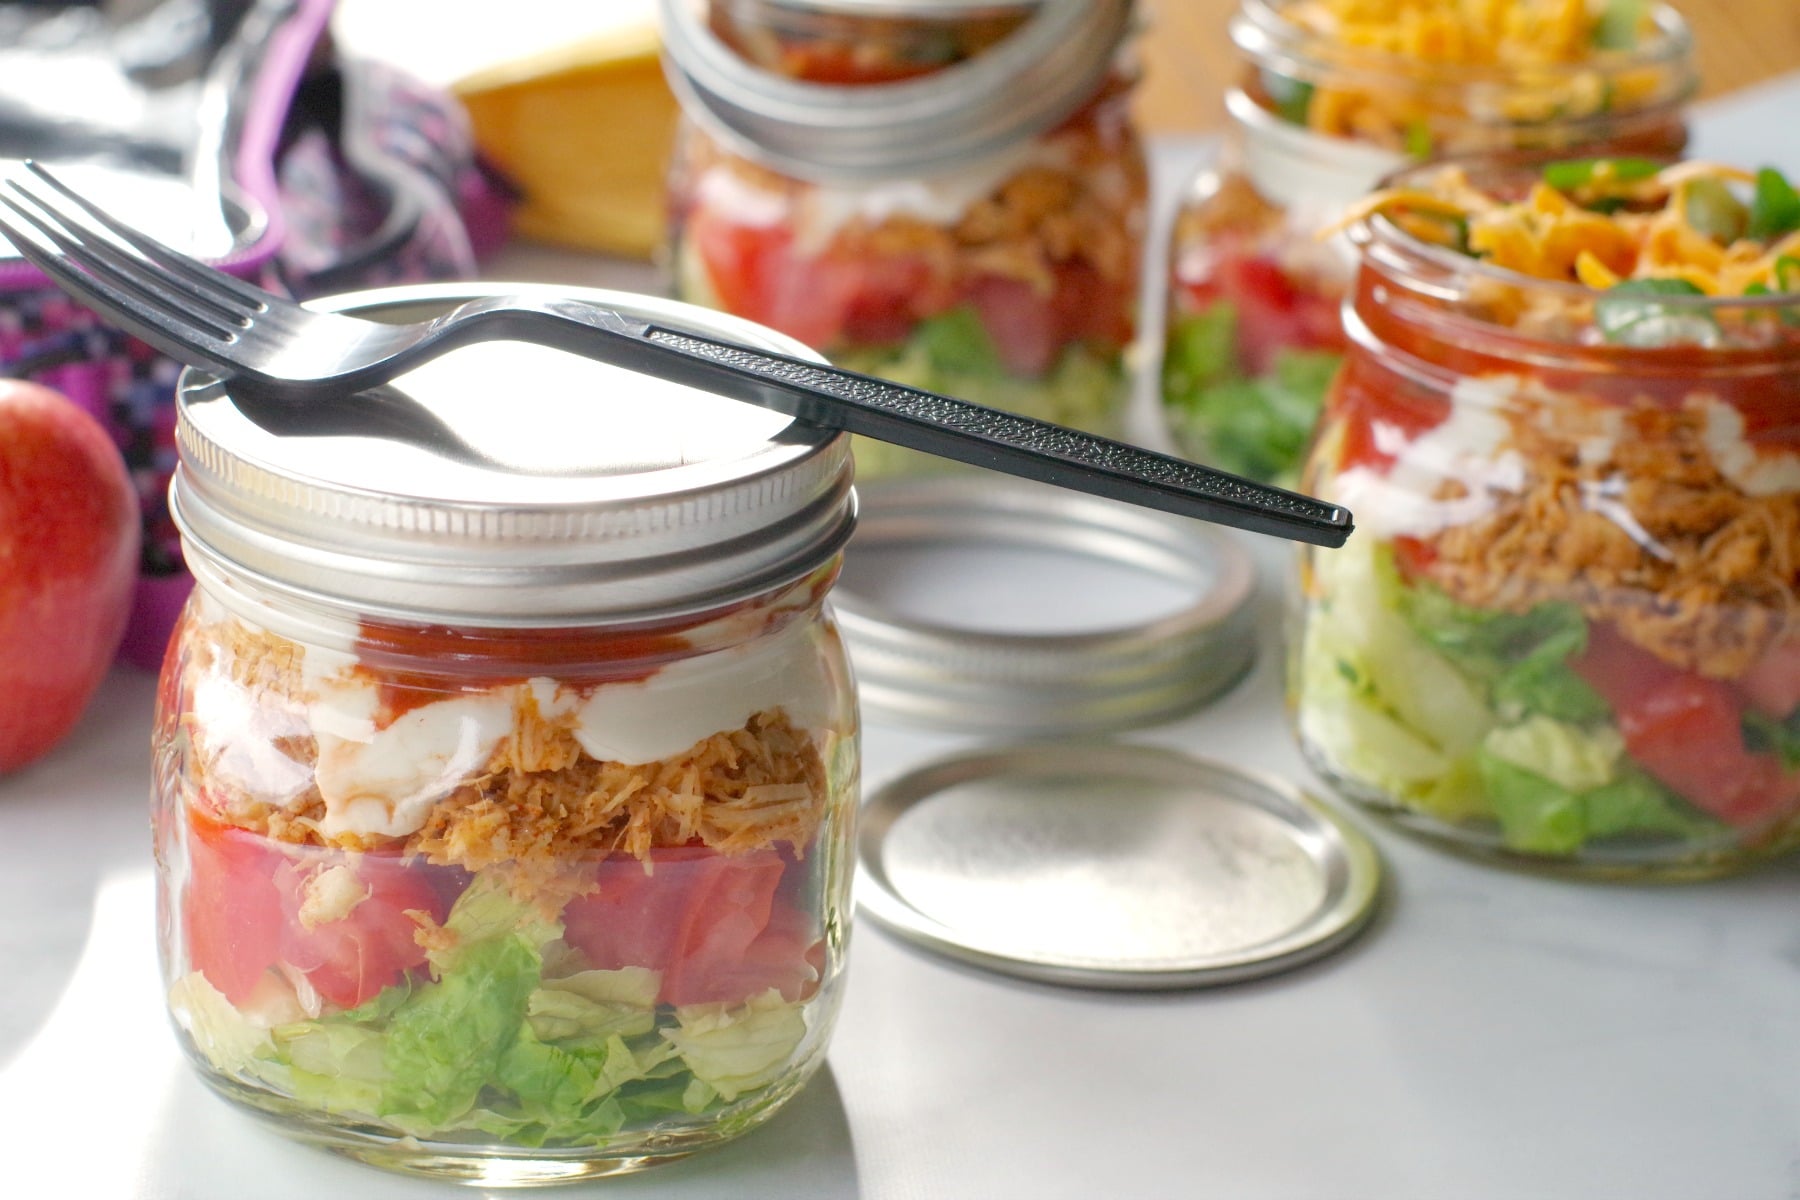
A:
69	530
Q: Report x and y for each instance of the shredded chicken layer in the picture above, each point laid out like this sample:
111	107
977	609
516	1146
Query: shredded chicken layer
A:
1651	537
540	807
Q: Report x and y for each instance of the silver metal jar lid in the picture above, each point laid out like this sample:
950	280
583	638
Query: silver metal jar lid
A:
1111	865
1022	86
510	484
976	603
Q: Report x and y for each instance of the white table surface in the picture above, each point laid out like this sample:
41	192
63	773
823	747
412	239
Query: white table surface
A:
1494	1036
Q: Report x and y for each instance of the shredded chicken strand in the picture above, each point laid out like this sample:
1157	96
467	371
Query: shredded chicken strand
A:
1651	537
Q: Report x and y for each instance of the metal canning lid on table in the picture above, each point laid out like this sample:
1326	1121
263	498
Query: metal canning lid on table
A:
980	653
1109	865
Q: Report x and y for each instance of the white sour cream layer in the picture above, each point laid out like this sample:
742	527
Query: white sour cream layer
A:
384	781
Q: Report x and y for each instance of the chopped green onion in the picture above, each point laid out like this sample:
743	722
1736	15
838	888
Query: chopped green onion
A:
1619	24
1787	273
1418	139
1570	174
1291	97
1628	315
1775	210
1787	282
1712	209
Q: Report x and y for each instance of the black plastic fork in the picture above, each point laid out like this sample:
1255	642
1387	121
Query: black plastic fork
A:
283	351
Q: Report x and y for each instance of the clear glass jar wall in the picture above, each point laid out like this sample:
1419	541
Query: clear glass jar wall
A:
1563	633
1009	277
1254	285
453	898
505	773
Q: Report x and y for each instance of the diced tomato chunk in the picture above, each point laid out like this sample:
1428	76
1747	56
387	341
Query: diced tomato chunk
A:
1772	684
1687	732
243	903
231	911
713	924
372	946
1275	310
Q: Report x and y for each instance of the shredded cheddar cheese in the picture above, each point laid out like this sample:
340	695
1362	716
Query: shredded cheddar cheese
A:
1462	32
1526	62
1683	222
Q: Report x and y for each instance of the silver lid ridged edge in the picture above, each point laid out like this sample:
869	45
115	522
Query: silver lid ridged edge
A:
1126	676
1183	899
727	532
1025	85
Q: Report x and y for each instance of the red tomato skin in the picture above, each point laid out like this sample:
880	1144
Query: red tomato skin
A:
1772	684
349	960
231	911
1275	310
755	273
241	915
1022	324
833	302
712	924
1687	732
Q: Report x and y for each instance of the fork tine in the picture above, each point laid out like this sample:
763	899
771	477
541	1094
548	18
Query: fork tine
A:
231	294
95	253
177	334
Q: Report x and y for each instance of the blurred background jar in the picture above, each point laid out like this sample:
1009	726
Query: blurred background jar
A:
1334	95
502	813
946	193
1564	631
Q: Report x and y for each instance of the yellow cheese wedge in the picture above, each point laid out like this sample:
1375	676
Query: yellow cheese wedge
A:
585	132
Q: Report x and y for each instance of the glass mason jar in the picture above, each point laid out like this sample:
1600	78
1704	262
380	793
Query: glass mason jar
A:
1566	632
1252	333
506	760
946	193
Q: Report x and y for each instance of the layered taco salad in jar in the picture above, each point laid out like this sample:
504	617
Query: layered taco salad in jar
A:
963	242
1335	95
579	892
1568	628
503	799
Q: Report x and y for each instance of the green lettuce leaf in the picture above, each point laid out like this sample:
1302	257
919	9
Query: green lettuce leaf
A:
1256	427
1764	734
953	354
736	1050
338	1065
1574	759
1380	702
1521	658
445	1041
225	1037
957	341
448	1039
595	1004
1538	816
1201	350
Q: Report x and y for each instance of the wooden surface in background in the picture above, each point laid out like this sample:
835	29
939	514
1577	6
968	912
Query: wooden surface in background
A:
1188	60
